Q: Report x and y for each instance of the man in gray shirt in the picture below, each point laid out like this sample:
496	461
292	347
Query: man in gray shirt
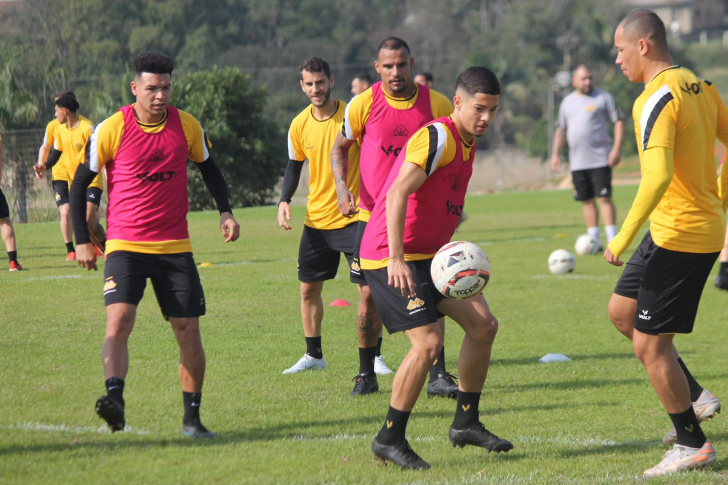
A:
584	118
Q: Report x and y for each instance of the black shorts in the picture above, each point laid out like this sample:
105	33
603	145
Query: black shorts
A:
174	278
593	182
356	275
93	195
60	192
667	286
320	251
400	312
4	209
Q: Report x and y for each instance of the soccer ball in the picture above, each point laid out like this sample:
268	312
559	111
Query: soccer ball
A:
586	244
561	261
460	270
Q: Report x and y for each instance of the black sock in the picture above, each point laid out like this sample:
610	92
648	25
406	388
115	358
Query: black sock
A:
688	429
69	247
379	347
115	389
466	414
723	268
366	360
13	256
695	389
313	347
439	365
192	406
393	431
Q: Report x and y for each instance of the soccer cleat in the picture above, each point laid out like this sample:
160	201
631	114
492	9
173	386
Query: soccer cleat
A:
400	454
380	367
71	256
195	429
721	282
443	386
112	412
478	435
706	407
365	384
306	363
15	266
681	458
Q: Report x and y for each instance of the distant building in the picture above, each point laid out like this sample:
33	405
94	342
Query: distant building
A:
685	17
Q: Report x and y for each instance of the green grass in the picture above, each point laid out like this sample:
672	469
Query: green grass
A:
595	419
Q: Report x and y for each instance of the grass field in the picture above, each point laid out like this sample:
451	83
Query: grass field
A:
595	419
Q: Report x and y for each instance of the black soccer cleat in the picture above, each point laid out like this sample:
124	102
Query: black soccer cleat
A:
400	454
443	386
195	429
721	282
478	435
112	412
365	384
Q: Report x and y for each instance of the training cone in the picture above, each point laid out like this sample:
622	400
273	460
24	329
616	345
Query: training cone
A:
206	265
340	303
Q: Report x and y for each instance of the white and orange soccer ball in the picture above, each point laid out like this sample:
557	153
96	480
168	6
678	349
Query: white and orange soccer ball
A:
561	261
460	270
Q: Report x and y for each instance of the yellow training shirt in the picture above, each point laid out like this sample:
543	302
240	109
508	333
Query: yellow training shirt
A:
677	119
312	139
72	143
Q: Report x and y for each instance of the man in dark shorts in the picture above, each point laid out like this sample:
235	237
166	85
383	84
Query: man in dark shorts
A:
677	118
6	225
415	214
146	172
584	118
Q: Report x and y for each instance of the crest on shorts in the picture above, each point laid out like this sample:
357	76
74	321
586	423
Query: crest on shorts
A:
109	285
416	303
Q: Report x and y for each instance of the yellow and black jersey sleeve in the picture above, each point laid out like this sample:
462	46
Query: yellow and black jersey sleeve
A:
657	120
433	147
49	138
440	104
356	115
198	146
105	142
295	136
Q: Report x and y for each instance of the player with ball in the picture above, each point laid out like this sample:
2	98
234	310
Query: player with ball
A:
415	215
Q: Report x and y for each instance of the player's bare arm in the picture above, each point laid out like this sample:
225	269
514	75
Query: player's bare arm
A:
340	169
559	141
409	179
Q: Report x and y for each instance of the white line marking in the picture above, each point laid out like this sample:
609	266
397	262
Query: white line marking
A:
64	428
511	241
56	277
574	277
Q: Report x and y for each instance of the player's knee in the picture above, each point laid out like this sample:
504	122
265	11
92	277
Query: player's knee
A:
310	291
485	331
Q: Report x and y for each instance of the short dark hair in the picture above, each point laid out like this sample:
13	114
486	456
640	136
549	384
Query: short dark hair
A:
152	62
645	24
478	79
61	93
428	76
68	101
315	64
393	44
364	76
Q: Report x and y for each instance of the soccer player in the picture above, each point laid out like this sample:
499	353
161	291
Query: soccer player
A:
360	83
70	137
677	119
425	78
6	225
60	181
382	119
145	147
415	214
326	233
584	117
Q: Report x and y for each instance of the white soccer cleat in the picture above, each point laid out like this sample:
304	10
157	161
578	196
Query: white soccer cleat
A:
706	407
380	367
306	363
681	458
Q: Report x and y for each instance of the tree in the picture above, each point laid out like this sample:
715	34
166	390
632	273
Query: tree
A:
246	145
